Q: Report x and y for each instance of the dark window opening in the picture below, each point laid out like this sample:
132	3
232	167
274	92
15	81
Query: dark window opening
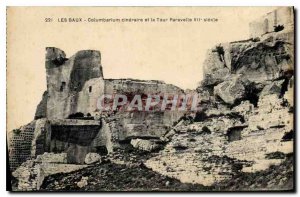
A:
62	86
234	134
90	89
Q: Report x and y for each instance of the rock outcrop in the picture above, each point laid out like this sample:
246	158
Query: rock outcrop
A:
247	118
260	62
232	90
30	174
41	109
92	158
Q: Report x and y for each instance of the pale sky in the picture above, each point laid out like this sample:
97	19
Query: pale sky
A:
172	52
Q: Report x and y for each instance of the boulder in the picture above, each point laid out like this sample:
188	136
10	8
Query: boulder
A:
92	158
83	182
231	90
146	145
216	76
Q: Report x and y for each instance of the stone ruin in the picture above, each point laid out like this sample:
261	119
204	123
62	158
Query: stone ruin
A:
73	86
282	17
247	112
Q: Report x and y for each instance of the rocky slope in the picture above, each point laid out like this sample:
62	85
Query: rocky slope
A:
137	177
246	117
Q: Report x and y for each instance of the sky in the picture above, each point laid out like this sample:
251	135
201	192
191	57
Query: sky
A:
168	51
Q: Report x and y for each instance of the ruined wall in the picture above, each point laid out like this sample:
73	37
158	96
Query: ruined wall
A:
143	124
28	141
75	84
265	24
66	81
133	86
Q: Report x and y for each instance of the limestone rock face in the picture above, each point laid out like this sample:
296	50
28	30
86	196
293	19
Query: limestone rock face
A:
266	60
214	67
271	113
273	88
41	138
52	158
217	148
126	125
249	111
289	94
245	109
92	158
41	109
259	61
230	91
216	77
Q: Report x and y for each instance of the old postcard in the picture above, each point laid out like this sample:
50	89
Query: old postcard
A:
150	98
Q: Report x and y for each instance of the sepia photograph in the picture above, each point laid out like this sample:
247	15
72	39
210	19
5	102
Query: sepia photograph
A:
150	99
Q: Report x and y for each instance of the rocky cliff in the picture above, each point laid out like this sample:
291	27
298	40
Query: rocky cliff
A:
247	123
240	70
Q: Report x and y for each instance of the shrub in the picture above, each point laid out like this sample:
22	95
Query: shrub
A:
278	28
